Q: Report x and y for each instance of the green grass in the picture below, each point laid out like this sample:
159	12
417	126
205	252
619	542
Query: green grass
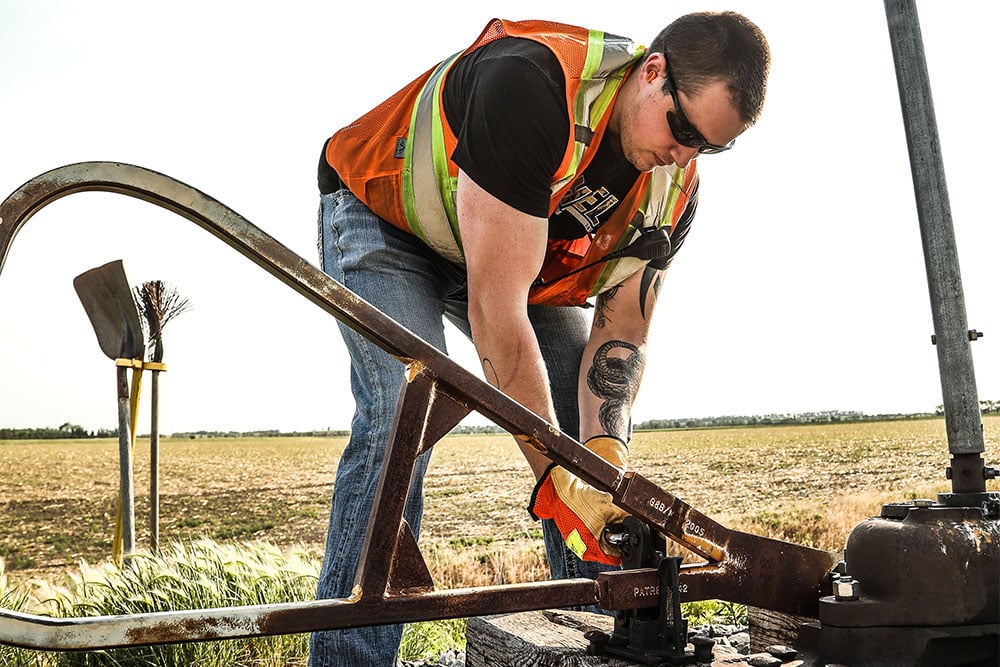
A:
704	612
196	575
423	641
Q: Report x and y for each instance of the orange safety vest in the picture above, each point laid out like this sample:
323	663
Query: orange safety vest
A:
397	160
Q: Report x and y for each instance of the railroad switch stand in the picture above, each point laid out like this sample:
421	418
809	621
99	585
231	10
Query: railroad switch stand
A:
652	635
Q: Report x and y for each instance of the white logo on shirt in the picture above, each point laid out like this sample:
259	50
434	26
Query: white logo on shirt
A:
586	205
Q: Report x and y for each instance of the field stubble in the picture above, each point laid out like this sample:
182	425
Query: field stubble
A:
806	484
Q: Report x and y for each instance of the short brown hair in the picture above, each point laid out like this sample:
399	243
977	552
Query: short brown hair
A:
705	47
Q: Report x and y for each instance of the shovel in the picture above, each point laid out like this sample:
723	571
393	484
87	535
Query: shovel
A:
107	299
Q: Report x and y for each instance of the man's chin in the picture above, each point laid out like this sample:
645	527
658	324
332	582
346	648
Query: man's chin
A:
649	164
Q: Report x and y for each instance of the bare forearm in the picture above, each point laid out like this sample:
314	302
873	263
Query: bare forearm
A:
504	250
513	363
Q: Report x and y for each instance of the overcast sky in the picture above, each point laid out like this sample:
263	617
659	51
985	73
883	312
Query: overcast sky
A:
800	288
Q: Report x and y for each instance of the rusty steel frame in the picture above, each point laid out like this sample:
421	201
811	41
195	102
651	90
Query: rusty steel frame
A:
392	583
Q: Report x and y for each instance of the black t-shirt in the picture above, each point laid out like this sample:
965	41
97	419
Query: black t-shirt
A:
506	104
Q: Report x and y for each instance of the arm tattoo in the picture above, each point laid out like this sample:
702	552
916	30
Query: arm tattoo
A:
490	372
603	307
616	380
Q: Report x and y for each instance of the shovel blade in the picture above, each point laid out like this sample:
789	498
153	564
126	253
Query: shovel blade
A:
107	298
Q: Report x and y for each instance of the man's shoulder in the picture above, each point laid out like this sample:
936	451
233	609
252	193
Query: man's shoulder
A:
516	53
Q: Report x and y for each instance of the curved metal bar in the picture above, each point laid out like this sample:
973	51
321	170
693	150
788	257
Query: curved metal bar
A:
104	632
747	564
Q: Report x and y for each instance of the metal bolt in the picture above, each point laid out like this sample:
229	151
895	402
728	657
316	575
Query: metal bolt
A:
990	473
617	539
597	641
704	649
972	333
846	588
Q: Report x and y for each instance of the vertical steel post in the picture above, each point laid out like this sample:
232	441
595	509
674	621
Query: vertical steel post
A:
963	419
154	465
127	492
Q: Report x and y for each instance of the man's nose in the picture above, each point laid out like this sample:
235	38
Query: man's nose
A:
683	154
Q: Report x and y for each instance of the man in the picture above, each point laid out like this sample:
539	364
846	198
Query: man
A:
545	165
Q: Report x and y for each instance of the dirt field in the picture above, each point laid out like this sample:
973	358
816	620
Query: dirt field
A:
58	499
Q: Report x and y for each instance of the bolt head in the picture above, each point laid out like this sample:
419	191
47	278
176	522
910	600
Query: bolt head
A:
846	588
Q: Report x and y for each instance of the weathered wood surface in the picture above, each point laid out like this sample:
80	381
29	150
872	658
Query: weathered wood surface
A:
549	639
530	639
768	628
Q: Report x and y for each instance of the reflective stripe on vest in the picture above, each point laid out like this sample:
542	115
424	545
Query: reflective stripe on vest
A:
431	211
430	215
604	70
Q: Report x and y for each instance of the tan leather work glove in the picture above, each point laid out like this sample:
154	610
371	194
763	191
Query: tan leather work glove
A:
580	511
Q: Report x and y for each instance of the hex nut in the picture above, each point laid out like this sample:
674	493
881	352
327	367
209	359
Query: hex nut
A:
846	589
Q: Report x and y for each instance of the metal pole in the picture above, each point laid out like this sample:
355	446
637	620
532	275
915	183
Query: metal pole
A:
963	419
125	464
154	465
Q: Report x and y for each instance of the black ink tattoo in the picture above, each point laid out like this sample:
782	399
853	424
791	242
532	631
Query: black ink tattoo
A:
490	372
616	380
603	307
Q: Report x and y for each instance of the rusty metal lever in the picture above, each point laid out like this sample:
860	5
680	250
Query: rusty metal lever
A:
392	583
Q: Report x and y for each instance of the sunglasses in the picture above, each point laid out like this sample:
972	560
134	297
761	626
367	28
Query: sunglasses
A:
684	132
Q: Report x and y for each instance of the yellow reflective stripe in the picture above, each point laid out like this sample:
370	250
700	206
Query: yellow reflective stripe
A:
423	202
603	71
447	185
581	105
673	194
406	179
407	176
595	53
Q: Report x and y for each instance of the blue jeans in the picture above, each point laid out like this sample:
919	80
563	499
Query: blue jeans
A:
395	272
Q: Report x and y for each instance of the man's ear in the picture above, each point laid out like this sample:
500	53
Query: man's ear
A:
652	67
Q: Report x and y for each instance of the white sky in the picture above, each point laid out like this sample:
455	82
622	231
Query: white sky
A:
800	288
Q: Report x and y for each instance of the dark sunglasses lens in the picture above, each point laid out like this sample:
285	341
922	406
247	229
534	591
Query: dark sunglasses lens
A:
683	132
688	136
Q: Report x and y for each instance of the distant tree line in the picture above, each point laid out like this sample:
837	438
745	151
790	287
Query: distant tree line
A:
73	431
476	429
824	417
268	433
66	431
986	407
70	431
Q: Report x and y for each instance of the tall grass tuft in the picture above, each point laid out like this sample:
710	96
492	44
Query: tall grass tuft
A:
16	598
428	640
195	575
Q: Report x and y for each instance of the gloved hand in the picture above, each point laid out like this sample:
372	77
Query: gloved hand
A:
580	511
